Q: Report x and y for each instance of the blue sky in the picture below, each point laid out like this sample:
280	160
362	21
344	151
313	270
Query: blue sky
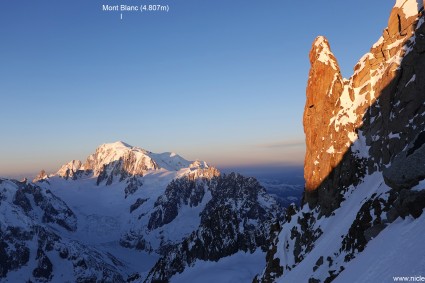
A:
222	81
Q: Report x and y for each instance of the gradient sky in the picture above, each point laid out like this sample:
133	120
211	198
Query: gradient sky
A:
222	81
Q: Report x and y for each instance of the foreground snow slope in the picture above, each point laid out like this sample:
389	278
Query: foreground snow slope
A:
364	166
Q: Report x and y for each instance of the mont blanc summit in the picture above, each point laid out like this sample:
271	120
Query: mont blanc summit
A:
130	214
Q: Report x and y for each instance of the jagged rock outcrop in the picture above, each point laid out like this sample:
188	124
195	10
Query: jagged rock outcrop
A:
407	168
133	184
359	125
238	217
32	199
119	160
164	206
41	176
184	201
31	248
70	170
180	192
326	147
364	159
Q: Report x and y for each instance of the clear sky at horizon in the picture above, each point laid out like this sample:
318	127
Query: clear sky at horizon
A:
221	81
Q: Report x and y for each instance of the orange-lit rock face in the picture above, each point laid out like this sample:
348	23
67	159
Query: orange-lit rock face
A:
339	113
323	89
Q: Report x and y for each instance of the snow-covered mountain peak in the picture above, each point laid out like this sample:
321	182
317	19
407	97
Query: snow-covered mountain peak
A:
67	170
323	53
108	153
198	164
409	8
118	147
121	160
170	161
117	144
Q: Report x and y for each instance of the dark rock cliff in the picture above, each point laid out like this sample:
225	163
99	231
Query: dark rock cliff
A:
365	150
357	126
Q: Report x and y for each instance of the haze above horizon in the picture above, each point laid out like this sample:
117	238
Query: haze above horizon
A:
217	81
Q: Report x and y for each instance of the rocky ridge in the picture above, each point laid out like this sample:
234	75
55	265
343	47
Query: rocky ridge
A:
363	165
120	160
31	245
372	113
238	217
125	202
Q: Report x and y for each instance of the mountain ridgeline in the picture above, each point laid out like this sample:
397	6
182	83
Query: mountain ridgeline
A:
130	215
364	167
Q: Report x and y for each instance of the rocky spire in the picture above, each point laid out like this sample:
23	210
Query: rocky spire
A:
41	176
358	125
323	89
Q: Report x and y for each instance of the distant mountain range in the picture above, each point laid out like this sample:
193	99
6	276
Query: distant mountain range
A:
90	220
129	215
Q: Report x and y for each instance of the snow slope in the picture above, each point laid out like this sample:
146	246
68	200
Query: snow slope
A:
334	228
124	211
238	268
378	264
